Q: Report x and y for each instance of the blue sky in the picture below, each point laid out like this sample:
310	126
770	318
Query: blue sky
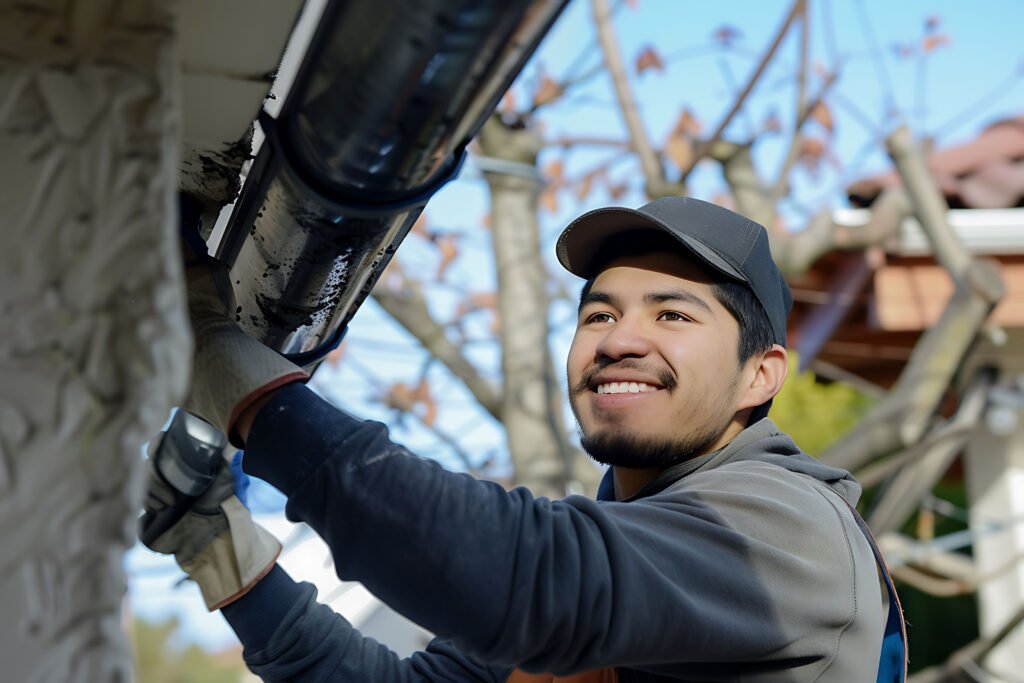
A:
963	85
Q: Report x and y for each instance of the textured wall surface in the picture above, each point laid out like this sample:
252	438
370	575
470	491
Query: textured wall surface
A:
95	348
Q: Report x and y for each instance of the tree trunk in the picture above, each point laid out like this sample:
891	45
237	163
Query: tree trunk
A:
98	350
536	437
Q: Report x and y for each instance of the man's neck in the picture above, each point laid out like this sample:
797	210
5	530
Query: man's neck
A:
628	480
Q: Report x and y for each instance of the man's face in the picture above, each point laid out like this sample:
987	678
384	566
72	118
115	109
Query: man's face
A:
653	372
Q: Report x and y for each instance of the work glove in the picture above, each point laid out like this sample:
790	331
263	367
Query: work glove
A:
231	370
216	542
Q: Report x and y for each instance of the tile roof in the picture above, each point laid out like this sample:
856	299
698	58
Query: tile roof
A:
985	173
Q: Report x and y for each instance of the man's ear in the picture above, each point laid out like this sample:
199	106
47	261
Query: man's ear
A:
769	373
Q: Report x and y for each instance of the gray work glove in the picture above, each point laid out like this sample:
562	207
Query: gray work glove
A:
231	370
216	542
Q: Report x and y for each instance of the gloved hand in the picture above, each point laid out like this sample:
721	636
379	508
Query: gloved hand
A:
216	542
231	370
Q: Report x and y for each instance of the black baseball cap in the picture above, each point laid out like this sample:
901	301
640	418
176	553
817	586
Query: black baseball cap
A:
722	239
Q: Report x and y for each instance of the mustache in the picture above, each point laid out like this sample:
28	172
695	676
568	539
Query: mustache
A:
665	378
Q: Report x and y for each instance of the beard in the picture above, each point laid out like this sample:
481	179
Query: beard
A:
622	447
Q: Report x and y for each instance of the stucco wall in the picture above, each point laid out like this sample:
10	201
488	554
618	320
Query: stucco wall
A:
96	346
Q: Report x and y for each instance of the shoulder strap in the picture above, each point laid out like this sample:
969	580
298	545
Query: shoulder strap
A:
892	664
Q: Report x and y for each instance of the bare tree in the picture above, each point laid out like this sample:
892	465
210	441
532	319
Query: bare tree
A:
902	440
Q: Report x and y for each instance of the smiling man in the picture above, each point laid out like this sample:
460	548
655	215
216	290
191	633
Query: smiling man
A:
676	347
716	551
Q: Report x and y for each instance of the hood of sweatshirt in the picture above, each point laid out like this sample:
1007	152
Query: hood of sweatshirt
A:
761	442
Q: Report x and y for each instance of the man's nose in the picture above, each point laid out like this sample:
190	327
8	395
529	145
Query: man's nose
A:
624	340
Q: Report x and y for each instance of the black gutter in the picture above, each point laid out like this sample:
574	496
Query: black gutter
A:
387	98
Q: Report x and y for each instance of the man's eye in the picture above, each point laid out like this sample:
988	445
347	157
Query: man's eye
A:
674	315
598	318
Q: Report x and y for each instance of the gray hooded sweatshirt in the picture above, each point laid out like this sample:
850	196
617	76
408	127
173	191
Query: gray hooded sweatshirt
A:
743	565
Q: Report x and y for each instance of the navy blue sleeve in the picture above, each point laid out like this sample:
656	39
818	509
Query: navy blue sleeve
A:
548	586
288	636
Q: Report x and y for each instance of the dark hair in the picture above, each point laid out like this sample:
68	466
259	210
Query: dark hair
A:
756	333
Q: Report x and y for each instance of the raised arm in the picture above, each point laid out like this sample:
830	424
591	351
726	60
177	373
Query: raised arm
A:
559	586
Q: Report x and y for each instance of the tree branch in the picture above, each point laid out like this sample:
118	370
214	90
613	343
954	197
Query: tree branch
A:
568	141
654	173
779	189
796	252
934	456
408	307
797	10
445	438
907	411
782	180
977	651
929	204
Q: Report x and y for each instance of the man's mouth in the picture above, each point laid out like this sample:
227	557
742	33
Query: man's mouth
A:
626	377
625	388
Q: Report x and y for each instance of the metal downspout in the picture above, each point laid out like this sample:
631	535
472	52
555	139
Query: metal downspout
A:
386	99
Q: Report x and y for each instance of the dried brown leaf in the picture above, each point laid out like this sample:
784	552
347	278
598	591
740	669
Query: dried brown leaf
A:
508	102
549	198
334	356
449	248
420	226
476	302
393	277
618	190
649	59
429	415
822	114
935	41
679	147
548	91
484	299
812	152
726	35
680	150
772	123
725	200
554	171
687	124
583	189
424	398
401	397
813	148
903	50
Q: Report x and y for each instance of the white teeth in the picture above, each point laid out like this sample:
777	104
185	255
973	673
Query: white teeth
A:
624	388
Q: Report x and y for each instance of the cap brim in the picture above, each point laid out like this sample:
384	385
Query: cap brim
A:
581	241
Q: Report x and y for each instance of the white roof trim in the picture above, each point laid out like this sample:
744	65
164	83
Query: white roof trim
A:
982	231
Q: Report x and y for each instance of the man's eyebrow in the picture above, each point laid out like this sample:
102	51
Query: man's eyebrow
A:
597	297
678	295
